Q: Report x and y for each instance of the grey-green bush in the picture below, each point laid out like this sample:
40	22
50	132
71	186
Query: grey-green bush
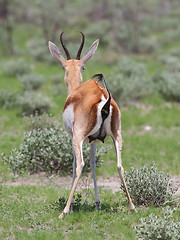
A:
129	81
32	102
148	186
57	87
31	81
156	227
16	67
170	35
48	150
148	44
8	99
41	121
168	85
172	63
38	48
58	78
175	51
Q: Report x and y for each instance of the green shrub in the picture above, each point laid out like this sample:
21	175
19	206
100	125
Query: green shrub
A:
148	44
79	204
129	81
148	186
8	99
57	87
31	81
93	29
32	102
48	150
16	67
61	203
175	51
168	85
155	227
58	78
170	35
172	63
38	48
40	122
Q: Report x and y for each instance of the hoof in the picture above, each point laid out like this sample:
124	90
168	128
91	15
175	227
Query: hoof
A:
98	205
132	207
61	216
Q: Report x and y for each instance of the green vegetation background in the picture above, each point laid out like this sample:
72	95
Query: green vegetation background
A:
144	32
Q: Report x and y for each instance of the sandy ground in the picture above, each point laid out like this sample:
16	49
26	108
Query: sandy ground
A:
109	183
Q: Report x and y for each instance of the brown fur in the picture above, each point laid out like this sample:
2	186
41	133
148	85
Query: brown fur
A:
86	98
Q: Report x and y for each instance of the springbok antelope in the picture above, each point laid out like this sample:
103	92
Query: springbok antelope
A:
90	113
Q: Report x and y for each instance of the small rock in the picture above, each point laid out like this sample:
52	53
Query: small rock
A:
147	128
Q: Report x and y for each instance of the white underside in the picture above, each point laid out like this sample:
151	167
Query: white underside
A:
68	118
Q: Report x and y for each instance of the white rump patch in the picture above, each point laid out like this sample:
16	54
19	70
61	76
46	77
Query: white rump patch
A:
107	122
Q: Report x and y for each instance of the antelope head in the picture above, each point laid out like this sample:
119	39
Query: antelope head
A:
73	67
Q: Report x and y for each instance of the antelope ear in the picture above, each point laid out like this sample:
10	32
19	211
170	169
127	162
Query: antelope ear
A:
56	53
90	52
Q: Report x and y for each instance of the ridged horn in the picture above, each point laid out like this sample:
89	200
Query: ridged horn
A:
64	47
81	47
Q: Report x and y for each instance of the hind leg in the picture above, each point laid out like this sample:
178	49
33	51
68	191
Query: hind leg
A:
77	143
118	146
74	174
93	166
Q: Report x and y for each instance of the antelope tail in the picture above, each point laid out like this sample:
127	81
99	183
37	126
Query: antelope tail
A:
106	108
100	135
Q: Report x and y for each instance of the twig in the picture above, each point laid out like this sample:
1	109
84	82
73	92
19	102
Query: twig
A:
178	199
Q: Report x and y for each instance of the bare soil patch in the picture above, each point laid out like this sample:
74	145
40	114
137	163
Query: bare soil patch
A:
86	182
